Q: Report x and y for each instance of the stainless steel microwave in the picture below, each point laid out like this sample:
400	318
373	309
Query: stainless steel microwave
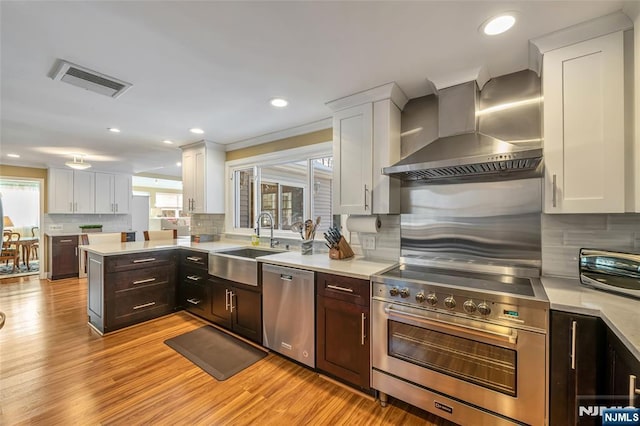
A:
613	271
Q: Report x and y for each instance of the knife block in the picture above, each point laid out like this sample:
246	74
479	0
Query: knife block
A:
343	251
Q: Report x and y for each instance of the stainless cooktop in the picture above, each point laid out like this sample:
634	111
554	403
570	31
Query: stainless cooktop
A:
463	279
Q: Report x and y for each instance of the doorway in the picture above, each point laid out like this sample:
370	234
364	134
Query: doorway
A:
22	213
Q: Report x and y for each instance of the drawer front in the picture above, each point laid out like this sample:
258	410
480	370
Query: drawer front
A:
193	276
195	298
71	240
139	278
150	259
353	290
195	259
139	305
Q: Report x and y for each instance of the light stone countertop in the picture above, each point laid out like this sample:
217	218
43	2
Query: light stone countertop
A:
62	233
356	267
113	249
621	314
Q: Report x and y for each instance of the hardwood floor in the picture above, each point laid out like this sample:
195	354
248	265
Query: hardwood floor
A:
54	369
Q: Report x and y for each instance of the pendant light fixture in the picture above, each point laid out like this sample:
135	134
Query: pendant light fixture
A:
78	163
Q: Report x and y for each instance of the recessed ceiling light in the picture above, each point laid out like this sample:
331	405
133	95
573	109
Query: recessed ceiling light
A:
197	131
499	24
179	164
279	102
13	155
113	129
168	142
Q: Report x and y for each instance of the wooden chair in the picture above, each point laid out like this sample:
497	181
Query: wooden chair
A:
35	246
9	253
169	234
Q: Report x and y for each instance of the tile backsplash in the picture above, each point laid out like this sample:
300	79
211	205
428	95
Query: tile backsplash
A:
71	222
564	235
207	224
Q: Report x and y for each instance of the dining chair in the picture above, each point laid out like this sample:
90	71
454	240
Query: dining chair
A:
35	232
8	253
168	234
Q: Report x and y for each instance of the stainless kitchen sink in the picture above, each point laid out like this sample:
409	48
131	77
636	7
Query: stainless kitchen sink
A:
239	265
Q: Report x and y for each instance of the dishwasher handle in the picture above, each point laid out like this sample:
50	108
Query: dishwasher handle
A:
282	273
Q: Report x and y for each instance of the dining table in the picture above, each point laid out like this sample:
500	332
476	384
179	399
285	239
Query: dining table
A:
25	244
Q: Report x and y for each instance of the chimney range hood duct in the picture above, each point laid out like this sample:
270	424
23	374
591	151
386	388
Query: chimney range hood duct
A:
509	108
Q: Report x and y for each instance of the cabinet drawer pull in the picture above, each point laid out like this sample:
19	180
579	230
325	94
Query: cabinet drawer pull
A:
194	259
150	259
144	305
65	241
633	391
574	326
231	296
148	280
363	335
554	190
194	301
337	287
194	277
366	206
285	277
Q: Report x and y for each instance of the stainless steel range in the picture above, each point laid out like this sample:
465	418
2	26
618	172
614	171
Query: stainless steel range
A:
468	345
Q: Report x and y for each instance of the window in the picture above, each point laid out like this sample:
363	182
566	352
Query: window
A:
168	200
291	191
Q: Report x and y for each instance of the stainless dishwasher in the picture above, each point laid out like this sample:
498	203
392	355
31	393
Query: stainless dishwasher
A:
288	312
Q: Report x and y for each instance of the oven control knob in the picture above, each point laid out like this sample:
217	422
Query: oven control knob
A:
469	307
432	299
484	309
450	302
420	297
404	293
394	291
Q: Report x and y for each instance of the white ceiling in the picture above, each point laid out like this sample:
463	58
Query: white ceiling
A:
215	65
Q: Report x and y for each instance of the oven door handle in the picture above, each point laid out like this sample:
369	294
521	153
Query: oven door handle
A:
511	338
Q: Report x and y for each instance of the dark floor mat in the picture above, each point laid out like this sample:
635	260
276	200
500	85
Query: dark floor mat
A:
215	351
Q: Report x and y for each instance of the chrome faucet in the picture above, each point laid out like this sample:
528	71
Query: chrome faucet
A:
272	242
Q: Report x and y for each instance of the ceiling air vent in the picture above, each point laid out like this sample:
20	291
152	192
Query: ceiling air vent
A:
89	80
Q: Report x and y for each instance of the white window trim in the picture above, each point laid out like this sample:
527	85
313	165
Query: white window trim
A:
305	153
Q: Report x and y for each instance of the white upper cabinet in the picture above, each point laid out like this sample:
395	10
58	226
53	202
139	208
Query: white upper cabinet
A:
203	178
366	138
113	193
71	191
584	141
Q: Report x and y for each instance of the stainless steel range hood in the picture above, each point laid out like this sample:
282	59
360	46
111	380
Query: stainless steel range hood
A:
493	134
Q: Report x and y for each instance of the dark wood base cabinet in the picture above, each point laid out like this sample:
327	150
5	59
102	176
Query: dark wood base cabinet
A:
64	257
576	365
342	329
621	366
590	368
128	289
194	292
237	307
